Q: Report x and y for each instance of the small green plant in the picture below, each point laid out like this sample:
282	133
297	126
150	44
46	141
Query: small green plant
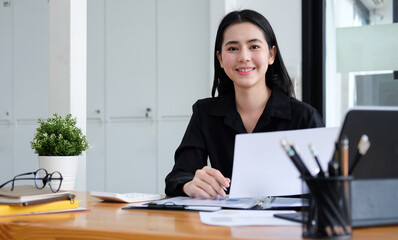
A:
59	137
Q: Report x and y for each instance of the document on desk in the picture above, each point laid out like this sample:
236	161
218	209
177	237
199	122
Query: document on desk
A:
236	203
209	205
262	168
231	218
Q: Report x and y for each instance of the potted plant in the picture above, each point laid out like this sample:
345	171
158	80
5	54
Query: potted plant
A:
59	143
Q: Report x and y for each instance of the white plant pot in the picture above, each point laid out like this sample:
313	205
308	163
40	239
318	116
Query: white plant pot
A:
66	165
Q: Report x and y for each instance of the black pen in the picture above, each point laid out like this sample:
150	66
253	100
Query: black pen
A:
165	206
321	173
333	166
296	159
363	147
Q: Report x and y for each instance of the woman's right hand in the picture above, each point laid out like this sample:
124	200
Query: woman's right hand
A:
207	183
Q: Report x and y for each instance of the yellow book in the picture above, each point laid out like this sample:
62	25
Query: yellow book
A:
8	210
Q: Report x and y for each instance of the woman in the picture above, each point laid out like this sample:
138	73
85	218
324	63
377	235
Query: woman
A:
255	94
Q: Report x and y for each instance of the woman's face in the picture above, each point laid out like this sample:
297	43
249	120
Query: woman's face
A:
245	55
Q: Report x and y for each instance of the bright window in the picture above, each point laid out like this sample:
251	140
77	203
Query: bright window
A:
361	56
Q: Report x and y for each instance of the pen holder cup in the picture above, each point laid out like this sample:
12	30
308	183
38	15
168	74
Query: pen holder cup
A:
328	215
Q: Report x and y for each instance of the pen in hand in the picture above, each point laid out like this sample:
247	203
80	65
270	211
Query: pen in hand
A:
224	188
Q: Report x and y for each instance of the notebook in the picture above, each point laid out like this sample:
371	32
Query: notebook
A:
30	195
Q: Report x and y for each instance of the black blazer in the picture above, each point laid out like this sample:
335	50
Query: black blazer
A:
212	129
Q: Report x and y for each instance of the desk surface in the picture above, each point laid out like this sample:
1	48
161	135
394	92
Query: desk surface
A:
109	221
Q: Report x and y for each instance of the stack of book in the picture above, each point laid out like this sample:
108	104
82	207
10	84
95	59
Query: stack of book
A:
30	200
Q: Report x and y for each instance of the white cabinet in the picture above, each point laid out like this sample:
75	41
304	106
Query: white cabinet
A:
96	155
131	157
5	65
170	133
30	77
25	160
130	58
131	90
121	96
30	59
6	152
183	56
6	136
183	73
147	64
24	81
95	60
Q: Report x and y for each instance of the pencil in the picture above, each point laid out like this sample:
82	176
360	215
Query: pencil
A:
344	156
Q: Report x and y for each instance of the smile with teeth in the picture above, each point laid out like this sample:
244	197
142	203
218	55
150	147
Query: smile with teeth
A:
244	69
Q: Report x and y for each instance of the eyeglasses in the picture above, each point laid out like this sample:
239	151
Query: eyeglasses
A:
42	177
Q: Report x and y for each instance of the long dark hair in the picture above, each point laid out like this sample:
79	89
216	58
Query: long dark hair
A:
276	75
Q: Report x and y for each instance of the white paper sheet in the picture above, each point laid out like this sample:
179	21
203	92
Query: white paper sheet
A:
262	168
244	218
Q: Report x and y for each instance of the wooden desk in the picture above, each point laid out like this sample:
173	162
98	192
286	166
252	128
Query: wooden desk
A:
108	221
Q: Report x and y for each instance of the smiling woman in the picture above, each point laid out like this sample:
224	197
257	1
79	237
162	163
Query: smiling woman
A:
255	94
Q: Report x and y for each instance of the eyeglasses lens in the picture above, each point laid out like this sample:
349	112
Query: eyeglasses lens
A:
55	181
40	178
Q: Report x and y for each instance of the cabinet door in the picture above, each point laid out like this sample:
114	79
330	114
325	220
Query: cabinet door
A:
31	59
131	157
170	133
130	58
130	95
96	156
30	76
183	72
6	152
5	64
96	95
25	160
6	137
96	60
183	53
